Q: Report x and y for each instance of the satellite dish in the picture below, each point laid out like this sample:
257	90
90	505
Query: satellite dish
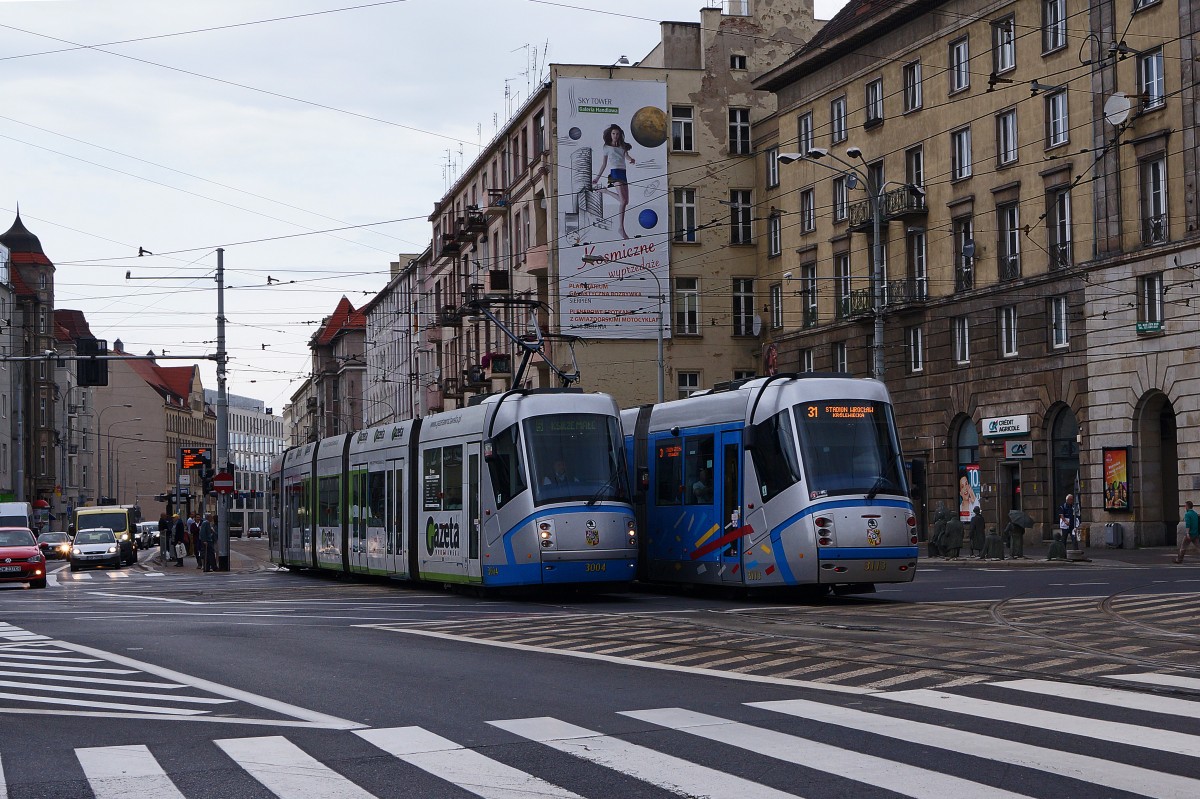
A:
1116	109
851	180
968	250
756	325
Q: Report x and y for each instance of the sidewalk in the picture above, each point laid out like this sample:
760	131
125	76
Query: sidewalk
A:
1035	556
246	556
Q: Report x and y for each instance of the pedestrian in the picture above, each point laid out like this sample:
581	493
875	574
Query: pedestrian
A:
1191	535
1068	519
178	540
952	539
977	533
1015	536
208	540
194	535
940	516
164	534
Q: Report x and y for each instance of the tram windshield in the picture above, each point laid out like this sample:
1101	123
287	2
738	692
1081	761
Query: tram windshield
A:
575	456
849	447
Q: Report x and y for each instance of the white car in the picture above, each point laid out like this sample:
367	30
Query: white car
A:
95	546
148	535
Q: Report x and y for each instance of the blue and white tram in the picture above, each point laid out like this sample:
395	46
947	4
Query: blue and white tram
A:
525	488
783	481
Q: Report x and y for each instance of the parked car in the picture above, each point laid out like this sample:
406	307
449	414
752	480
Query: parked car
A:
55	546
95	546
20	559
148	535
255	532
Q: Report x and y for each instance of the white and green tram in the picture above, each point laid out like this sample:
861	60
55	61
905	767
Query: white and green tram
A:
526	488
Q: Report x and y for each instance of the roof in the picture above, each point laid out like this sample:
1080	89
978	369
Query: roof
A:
172	382
344	317
18	239
75	323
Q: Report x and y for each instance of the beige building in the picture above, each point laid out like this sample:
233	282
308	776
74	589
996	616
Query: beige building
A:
1035	299
671	250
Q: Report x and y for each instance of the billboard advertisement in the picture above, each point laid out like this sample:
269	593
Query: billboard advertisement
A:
1116	478
613	211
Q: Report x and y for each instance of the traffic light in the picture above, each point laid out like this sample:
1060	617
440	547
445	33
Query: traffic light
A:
206	478
93	371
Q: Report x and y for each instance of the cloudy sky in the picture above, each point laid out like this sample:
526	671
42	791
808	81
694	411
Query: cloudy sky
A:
183	126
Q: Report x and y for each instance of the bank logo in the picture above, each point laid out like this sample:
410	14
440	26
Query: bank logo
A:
1016	450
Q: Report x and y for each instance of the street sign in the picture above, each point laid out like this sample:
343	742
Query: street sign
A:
185	479
223	483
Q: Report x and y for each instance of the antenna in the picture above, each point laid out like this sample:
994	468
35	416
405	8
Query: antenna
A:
1116	109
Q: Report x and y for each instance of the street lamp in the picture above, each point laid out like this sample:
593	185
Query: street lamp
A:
99	418
595	259
873	197
109	435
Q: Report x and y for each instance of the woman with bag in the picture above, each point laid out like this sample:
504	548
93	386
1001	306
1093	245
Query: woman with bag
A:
178	540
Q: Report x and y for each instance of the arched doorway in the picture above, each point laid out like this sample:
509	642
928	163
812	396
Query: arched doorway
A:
1155	482
1064	464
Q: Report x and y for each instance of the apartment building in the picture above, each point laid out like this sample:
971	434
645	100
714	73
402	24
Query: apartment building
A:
393	389
1027	172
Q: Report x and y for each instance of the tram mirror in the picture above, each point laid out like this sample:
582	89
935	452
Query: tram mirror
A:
643	480
489	450
748	437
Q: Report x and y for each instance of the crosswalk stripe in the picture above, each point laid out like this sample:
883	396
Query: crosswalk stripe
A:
70	689
1085	768
901	778
31	675
288	771
1106	696
465	768
1175	680
672	773
55	667
125	772
86	703
80	576
1098	729
50	658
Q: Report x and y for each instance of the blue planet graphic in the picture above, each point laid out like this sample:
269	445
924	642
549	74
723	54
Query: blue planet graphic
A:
575	133
647	218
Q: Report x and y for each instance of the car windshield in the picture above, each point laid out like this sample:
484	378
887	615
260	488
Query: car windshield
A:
114	520
576	456
848	447
16	538
53	538
95	537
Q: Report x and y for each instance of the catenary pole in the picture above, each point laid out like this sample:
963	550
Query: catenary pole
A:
222	459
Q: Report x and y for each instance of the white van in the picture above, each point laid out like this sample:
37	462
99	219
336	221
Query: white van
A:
16	514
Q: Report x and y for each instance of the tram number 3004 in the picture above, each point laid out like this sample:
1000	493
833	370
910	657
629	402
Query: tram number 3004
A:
594	567
875	566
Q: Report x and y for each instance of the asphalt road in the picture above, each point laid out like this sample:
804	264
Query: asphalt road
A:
977	680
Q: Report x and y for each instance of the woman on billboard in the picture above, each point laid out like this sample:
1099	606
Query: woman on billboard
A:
616	153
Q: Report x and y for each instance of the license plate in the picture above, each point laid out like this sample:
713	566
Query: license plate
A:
875	566
10	568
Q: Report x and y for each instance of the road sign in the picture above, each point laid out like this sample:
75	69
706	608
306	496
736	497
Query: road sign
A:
185	479
223	483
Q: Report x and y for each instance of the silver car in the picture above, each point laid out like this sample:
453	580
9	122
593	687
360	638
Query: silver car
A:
95	546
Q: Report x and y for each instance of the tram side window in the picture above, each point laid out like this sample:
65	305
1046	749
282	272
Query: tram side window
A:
452	477
376	498
392	498
668	472
358	499
774	455
327	499
505	467
305	513
431	479
698	470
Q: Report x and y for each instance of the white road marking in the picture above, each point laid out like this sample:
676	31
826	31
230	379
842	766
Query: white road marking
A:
1105	696
30	675
671	773
66	668
465	768
3	782
1141	781
1176	680
287	771
970	587
890	775
145	596
1099	729
69	689
40	659
125	772
87	703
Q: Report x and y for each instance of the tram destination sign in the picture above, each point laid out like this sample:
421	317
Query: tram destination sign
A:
1003	426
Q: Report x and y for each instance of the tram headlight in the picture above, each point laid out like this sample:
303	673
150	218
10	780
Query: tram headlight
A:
824	525
631	531
545	530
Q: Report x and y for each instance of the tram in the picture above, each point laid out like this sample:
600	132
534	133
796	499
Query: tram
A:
528	487
790	480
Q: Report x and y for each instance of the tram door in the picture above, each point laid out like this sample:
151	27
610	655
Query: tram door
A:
731	503
358	518
474	522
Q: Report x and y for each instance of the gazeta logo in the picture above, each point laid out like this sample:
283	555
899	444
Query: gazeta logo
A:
441	536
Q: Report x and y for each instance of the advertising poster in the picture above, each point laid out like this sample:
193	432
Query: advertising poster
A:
968	491
613	208
1116	478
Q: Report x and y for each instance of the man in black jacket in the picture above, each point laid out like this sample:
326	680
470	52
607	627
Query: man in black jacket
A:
178	537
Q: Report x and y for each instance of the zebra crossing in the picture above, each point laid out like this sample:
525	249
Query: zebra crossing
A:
999	742
65	576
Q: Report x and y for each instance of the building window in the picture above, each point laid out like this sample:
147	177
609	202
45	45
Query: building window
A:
1150	303
1004	45
1009	225
741	229
1058	128
539	134
1054	25
1006	137
739	131
743	306
687	306
806	360
960	67
1058	228
838	356
914	166
918	270
964	250
912	86
43	282
1140	4
688	383
1058	323
685	215
774	235
737	61
776	306
1151	89
960	154
682	132
772	167
1008	331
808	293
874	105
837	120
962	339
840	199
808	211
841	281
914	345
804	133
1153	180
42	461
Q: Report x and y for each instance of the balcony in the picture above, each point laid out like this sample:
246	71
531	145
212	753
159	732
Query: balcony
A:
899	203
1009	267
907	291
537	260
449	316
964	275
1154	229
810	315
433	334
497	202
452	388
1060	255
861	301
433	397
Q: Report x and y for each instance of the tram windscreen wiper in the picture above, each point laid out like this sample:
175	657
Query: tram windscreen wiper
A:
612	478
880	482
